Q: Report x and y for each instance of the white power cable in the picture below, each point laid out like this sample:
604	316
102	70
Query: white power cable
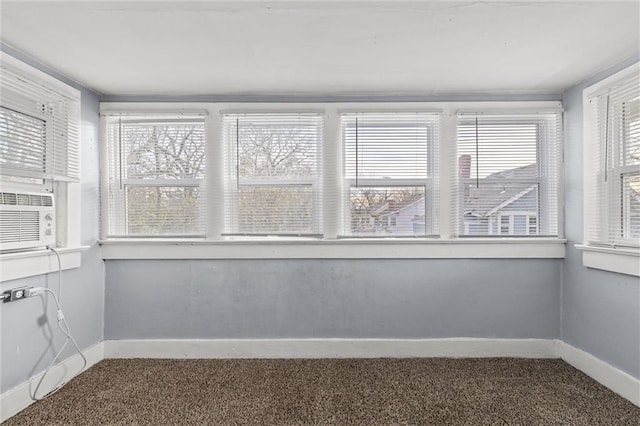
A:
64	327
59	273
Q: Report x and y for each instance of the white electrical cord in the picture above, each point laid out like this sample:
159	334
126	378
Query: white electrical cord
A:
59	274
64	327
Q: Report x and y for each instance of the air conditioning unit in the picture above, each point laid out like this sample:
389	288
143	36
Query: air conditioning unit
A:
27	220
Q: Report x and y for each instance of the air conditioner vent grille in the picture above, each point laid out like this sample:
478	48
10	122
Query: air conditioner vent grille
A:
19	226
16	199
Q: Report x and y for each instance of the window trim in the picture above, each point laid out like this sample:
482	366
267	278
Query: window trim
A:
21	264
348	248
37	262
216	246
620	259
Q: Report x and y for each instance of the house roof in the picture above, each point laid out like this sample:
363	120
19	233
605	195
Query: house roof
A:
490	196
485	199
392	206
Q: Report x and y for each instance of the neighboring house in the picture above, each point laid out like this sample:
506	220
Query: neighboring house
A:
401	218
504	203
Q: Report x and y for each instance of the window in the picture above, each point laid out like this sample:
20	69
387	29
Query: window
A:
615	173
39	141
273	174
156	170
390	167
39	130
508	169
23	143
39	170
611	111
314	180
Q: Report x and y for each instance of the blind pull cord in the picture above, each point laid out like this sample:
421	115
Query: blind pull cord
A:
357	159
237	153
606	141
477	157
120	149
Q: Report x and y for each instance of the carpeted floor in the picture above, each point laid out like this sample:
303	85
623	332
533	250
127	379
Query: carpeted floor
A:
332	391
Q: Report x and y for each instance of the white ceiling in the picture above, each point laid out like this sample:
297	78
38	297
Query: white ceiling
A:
322	47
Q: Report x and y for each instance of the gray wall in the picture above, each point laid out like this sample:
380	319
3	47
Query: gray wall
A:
600	310
332	298
26	347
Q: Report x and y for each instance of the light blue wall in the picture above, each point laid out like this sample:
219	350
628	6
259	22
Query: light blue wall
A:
600	310
25	346
332	298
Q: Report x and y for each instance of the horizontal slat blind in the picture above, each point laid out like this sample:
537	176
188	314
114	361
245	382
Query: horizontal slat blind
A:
615	199
273	174
390	166
23	141
508	172
39	128
156	172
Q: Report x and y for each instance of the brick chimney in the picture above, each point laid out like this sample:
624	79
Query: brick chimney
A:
464	166
464	172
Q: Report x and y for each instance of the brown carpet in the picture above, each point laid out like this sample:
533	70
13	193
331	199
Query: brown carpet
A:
332	391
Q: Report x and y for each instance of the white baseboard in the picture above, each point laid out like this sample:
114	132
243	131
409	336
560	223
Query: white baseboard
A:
617	380
331	348
18	398
625	385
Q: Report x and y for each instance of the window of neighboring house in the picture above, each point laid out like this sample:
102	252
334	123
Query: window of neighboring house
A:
508	171
513	223
506	225
156	171
273	174
614	192
39	156
390	167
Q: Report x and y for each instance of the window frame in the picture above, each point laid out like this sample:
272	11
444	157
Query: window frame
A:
215	245
543	155
26	263
622	258
427	182
121	200
233	182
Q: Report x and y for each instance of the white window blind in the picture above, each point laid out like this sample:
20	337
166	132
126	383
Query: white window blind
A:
615	197
391	171
39	127
508	174
273	174
155	175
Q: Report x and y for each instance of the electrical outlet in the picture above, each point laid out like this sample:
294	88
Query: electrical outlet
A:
14	294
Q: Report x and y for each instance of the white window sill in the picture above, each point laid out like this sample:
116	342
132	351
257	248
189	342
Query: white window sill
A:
620	260
37	262
505	248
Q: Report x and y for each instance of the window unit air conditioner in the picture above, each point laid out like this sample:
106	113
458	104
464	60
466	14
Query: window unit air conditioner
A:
27	220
